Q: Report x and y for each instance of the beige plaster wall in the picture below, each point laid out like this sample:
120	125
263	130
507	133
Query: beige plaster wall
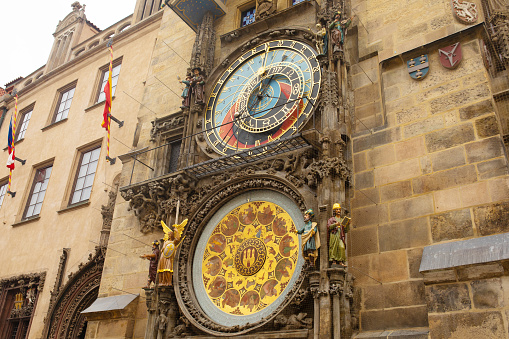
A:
128	273
37	245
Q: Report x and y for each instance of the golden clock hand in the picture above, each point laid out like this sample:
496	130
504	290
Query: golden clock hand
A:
262	69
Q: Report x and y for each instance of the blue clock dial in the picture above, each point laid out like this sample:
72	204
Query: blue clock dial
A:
265	95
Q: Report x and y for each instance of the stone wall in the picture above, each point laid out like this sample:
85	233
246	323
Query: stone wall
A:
469	301
429	162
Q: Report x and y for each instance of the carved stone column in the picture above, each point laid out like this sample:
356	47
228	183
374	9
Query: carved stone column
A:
202	56
346	302
166	306
151	309
337	277
314	283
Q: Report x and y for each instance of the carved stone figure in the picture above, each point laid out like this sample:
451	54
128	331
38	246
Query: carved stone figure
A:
154	259
338	227
171	242
338	29
265	8
186	94
198	85
310	238
293	322
162	320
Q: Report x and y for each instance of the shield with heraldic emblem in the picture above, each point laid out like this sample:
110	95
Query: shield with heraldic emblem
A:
418	68
450	56
464	11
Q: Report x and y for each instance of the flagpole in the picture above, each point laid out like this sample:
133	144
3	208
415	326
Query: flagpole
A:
13	135
109	109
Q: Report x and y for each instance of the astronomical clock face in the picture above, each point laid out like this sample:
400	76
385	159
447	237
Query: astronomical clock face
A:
247	259
265	95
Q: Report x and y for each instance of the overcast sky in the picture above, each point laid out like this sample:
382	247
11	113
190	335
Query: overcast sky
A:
28	27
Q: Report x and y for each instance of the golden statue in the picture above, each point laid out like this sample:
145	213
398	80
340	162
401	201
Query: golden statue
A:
171	242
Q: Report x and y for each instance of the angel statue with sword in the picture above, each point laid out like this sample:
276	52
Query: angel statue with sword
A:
172	239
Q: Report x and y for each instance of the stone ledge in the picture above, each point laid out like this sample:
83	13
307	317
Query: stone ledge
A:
466	252
304	334
394	334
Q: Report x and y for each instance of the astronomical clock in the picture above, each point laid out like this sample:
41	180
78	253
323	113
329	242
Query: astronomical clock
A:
265	96
245	263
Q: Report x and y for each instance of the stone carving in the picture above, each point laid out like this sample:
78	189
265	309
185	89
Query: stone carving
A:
498	5
107	210
157	200
300	297
162	320
336	289
265	8
293	322
464	11
204	45
183	328
30	285
330	90
328	9
60	275
160	126
82	287
500	37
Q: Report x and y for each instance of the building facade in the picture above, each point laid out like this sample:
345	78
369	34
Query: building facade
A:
240	117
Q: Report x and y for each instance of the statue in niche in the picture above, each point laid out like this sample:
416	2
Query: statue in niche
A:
186	93
154	259
338	29
338	227
310	238
172	240
198	86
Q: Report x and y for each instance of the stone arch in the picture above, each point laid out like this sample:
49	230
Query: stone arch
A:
64	319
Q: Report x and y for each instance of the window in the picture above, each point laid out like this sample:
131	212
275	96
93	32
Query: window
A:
64	103
23	120
3	189
174	155
38	192
114	78
247	17
85	177
294	2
